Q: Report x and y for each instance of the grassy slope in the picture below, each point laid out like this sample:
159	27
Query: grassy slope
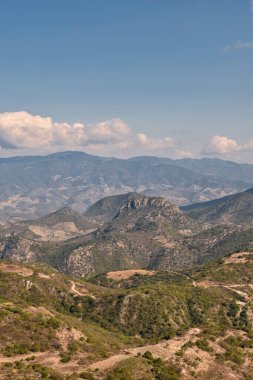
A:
111	316
27	329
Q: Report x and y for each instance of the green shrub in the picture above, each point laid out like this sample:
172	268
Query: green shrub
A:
148	355
203	344
235	355
233	309
65	357
16	349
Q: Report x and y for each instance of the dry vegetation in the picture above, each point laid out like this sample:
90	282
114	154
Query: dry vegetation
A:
125	274
159	326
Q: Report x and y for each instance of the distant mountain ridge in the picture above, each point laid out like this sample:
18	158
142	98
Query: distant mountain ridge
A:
33	186
232	209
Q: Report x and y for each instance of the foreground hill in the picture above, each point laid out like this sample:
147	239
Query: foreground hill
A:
134	325
37	185
233	209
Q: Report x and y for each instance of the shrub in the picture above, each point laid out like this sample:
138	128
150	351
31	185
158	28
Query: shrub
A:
148	355
203	344
65	357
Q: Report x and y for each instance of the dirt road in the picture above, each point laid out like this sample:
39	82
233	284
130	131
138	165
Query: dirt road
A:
164	350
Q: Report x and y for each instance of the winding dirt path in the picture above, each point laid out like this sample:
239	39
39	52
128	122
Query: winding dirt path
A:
74	290
231	287
164	350
13	359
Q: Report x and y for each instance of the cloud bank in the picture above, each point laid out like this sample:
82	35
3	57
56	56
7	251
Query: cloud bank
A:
24	131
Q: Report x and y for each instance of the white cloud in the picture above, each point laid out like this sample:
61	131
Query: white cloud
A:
225	146
24	132
238	46
144	140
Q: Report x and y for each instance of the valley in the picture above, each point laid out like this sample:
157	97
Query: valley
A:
134	288
173	325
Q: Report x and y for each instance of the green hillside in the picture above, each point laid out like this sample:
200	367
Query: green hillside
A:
59	327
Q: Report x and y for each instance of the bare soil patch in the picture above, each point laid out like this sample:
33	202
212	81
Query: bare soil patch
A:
165	242
79	289
44	276
50	234
66	335
125	274
39	310
238	258
12	268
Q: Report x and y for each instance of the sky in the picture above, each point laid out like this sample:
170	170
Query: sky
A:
121	78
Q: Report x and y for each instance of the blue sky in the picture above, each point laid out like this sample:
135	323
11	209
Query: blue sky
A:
164	77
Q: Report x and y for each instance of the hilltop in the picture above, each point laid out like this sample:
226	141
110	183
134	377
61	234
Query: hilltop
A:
141	229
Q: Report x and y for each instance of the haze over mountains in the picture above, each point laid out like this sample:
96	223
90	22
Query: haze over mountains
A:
33	186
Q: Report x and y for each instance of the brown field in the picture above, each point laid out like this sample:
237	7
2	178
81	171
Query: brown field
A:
12	268
125	274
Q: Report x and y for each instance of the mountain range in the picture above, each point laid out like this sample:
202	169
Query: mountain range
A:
124	231
33	186
133	288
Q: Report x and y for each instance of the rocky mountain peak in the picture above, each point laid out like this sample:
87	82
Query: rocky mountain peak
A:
137	201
